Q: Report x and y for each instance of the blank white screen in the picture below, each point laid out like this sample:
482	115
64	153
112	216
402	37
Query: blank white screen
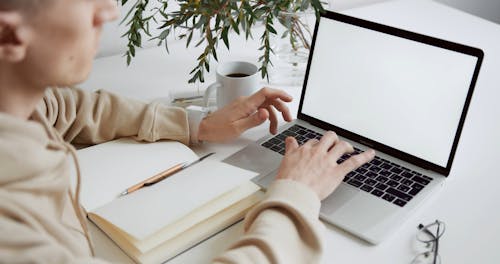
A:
399	92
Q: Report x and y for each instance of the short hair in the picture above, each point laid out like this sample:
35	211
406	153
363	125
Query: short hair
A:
22	5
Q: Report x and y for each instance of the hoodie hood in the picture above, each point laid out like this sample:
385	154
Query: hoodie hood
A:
28	156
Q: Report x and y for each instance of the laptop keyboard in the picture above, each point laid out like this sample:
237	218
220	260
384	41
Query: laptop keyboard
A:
384	179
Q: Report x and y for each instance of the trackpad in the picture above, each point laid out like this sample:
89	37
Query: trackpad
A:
255	158
338	199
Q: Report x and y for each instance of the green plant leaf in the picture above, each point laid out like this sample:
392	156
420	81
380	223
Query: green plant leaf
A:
224	36
188	41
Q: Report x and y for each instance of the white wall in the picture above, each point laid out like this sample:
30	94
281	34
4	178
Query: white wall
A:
112	43
488	9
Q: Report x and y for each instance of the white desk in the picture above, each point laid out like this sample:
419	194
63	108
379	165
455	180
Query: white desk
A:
468	202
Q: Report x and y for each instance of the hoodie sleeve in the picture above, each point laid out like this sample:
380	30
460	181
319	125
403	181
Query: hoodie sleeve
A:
283	228
89	118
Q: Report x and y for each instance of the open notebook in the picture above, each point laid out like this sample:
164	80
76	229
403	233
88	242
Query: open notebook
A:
158	222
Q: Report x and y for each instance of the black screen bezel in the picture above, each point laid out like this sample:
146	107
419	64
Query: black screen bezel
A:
478	53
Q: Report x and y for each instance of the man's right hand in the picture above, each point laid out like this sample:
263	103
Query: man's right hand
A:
315	163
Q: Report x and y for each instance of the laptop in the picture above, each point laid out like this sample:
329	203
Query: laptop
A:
401	93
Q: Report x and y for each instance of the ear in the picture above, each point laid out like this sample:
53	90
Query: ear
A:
14	37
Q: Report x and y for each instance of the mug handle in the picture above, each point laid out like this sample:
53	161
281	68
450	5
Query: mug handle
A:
213	87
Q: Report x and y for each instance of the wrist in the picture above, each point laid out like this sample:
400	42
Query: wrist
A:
202	130
196	115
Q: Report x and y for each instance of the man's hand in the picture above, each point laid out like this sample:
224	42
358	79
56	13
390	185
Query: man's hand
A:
315	163
244	113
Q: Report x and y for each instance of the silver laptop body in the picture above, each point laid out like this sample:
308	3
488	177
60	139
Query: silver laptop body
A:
401	93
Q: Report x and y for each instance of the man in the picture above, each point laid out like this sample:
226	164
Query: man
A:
51	43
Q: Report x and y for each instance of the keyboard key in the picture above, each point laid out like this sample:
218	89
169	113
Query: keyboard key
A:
405	169
396	170
386	166
355	183
274	141
425	177
420	180
366	166
376	162
360	177
267	144
392	183
294	128
385	173
276	148
375	169
399	202
310	135
370	182
350	174
403	188
366	188
361	170
282	152
396	177
301	139
288	133
417	186
381	186
407	174
281	137
371	174
388	197
414	191
407	182
377	192
301	132
382	179
395	165
399	194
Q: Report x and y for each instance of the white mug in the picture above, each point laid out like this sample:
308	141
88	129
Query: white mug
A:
233	79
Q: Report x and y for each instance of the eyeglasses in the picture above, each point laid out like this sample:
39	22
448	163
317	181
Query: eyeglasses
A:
429	235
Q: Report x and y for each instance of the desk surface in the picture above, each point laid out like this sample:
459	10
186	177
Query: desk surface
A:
468	201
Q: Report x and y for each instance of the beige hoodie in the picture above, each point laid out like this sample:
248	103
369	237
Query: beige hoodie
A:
41	221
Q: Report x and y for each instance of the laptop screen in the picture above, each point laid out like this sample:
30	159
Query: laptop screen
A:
402	93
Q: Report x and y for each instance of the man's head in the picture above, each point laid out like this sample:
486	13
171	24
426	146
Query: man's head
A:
51	42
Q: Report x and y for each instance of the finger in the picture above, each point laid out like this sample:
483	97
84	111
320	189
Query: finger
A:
290	144
281	106
327	141
311	142
253	120
340	148
356	161
264	94
273	128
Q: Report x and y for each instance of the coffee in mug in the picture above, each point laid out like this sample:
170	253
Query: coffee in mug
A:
233	80
237	75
